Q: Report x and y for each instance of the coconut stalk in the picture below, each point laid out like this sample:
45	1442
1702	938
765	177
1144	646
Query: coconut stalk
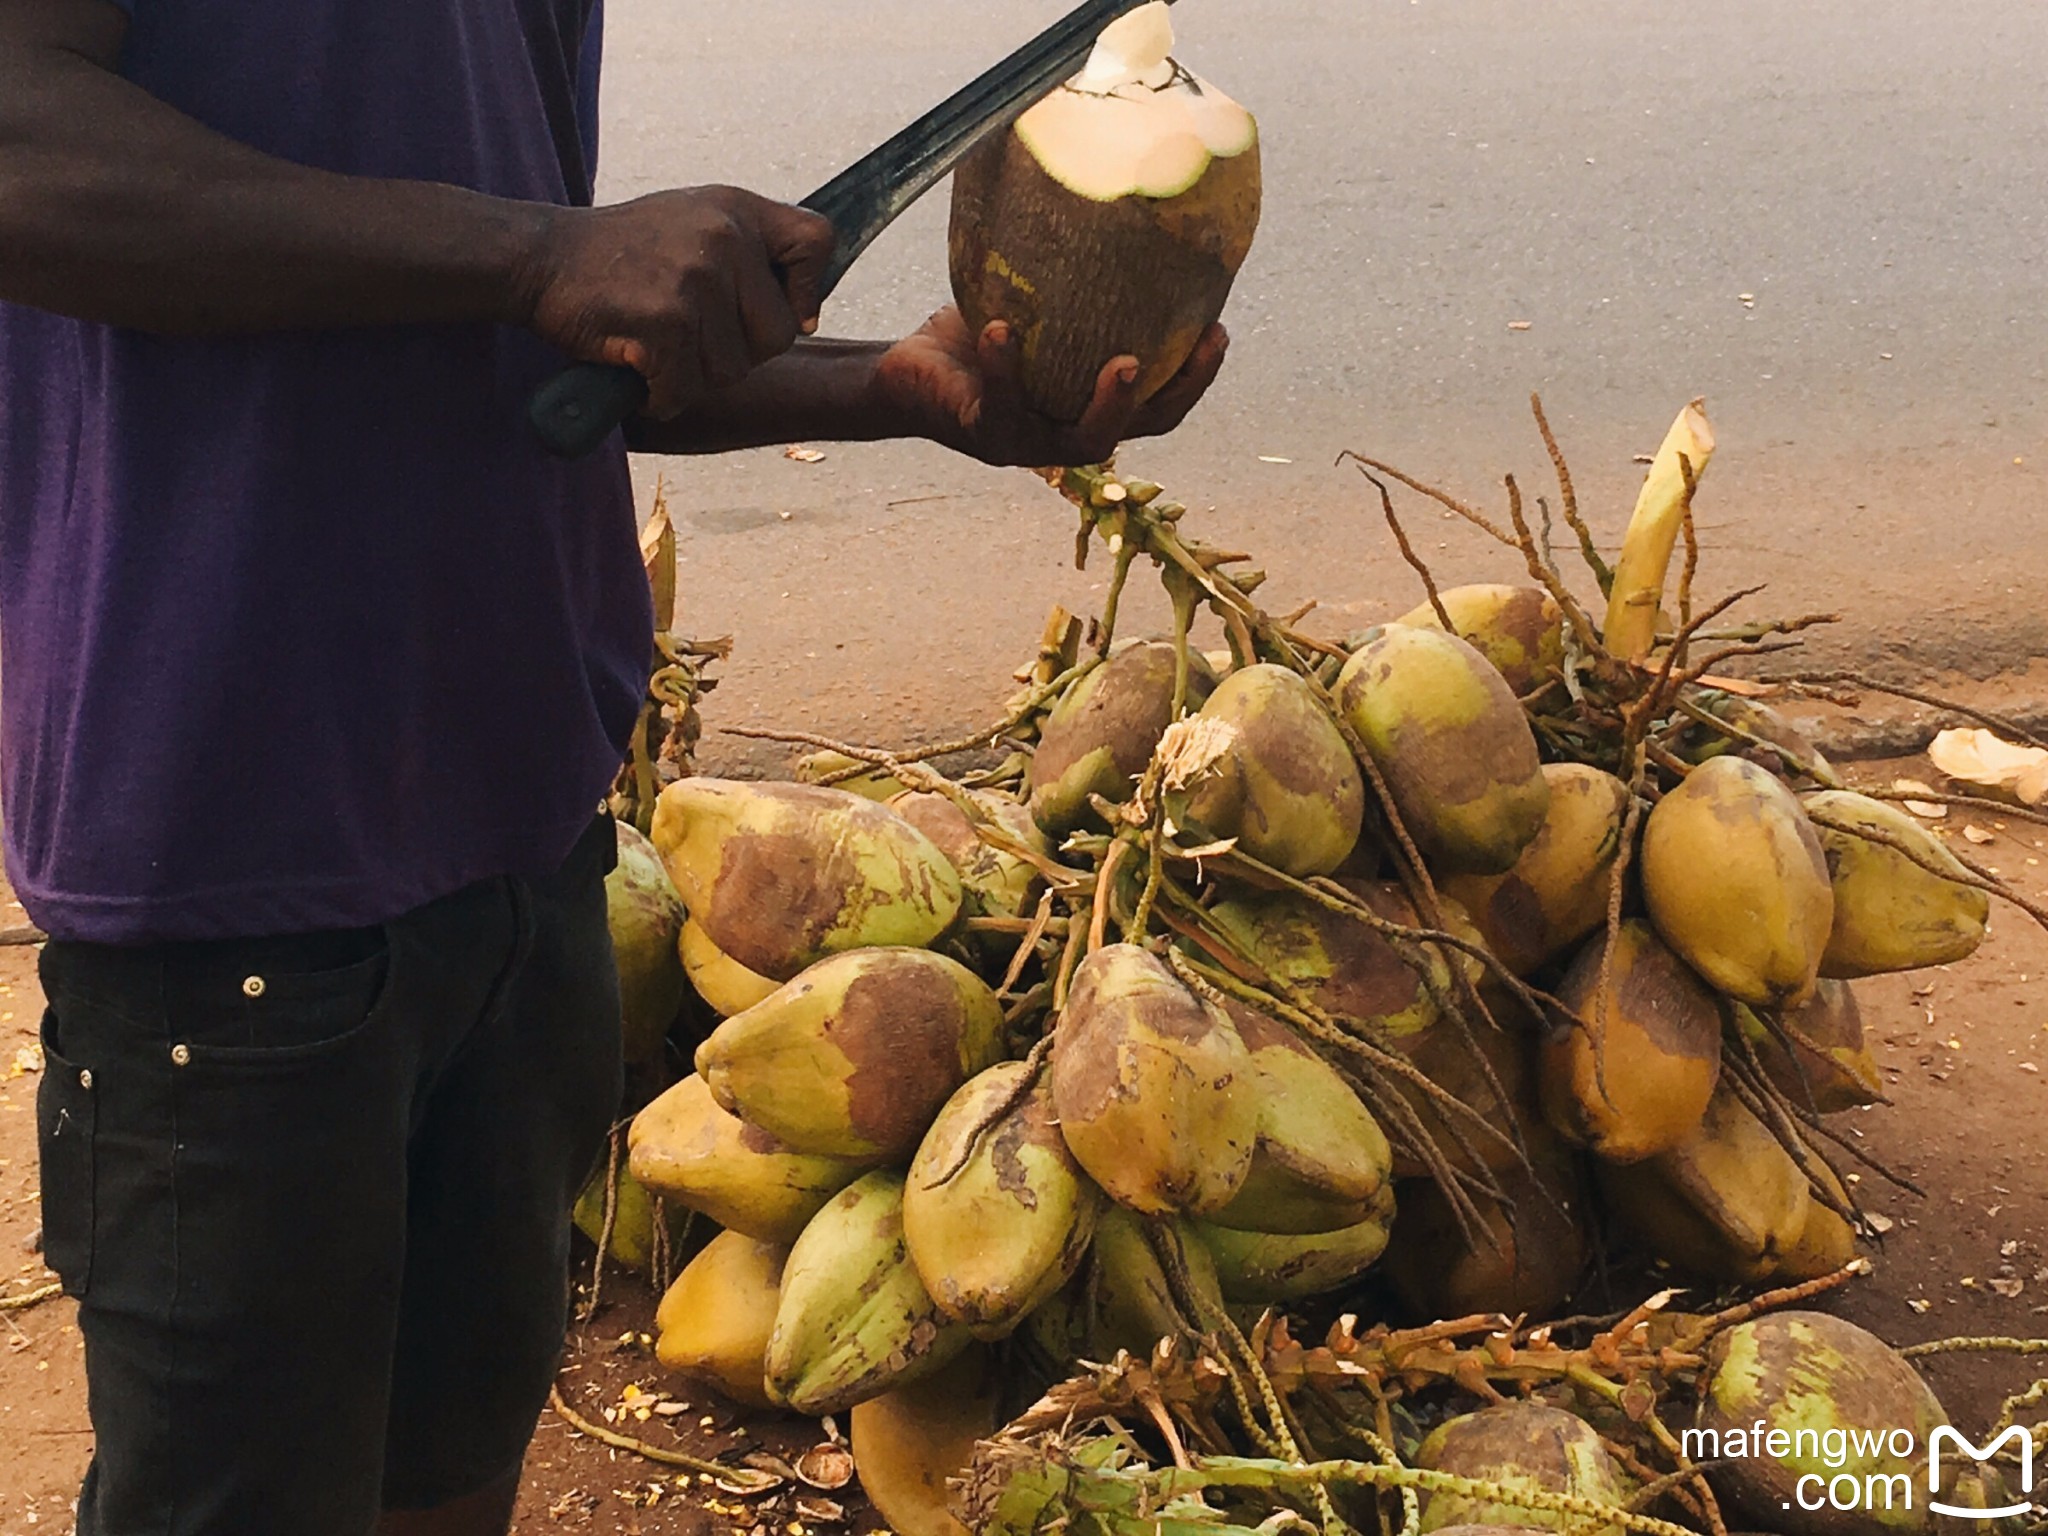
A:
1639	576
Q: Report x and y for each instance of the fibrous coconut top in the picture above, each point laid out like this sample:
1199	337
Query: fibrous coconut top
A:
1134	122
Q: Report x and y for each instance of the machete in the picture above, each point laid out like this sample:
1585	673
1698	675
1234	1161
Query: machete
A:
578	409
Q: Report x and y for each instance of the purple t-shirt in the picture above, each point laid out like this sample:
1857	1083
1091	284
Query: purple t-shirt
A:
301	631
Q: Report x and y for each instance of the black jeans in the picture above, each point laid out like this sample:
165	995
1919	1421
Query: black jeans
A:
312	1195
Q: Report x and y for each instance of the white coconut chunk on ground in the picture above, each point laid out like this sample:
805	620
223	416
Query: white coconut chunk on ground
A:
1133	123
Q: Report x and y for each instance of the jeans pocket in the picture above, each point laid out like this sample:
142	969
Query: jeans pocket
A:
66	1123
267	1012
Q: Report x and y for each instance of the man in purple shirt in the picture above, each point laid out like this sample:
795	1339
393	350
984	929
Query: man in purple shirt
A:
315	669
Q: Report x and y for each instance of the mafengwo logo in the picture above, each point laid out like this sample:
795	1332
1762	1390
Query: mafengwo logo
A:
2023	1450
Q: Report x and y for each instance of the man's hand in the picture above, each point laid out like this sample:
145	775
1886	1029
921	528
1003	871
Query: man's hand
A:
694	289
963	390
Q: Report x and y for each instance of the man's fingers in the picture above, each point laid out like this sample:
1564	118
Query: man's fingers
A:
725	355
1108	418
771	326
1169	408
999	352
800	244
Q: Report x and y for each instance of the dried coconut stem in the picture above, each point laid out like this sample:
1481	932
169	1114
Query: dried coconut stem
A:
34	1298
1408	554
2001	723
741	1477
1569	498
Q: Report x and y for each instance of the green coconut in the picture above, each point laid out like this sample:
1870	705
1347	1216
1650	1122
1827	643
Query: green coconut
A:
1110	221
686	1149
1101	735
854	1321
1519	629
1150	1084
1455	748
1134	1304
644	911
997	1213
1750	723
1628	1073
1802	1395
715	1321
857	1055
726	986
636	1213
1287	787
1556	895
1265	1268
1347	969
1524	1446
1321	1162
870	784
781	875
1818	1054
1892	912
1736	882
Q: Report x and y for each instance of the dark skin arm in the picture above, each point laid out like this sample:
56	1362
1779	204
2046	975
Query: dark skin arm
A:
116	208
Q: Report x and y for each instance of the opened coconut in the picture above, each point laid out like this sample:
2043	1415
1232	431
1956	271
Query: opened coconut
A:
1519	629
1150	1084
1557	892
689	1151
1736	882
857	1055
1629	1072
1893	911
997	1213
715	1321
1111	221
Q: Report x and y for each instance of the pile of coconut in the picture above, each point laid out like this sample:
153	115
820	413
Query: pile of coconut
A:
1412	976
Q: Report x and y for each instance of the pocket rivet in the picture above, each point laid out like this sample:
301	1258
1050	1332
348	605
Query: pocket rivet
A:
85	1080
253	987
181	1055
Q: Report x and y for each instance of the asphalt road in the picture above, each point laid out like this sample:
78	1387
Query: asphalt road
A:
1619	176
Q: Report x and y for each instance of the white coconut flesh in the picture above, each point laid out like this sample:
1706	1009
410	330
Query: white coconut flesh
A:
1134	122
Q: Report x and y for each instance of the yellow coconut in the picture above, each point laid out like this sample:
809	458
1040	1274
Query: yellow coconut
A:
1726	1204
997	1213
1287	788
856	1056
1817	1054
1110	221
1519	629
726	986
1556	895
635	1212
1453	744
1736	883
1150	1086
781	875
1628	1074
1102	733
1322	1162
910	1443
854	1321
694	1154
1892	911
715	1320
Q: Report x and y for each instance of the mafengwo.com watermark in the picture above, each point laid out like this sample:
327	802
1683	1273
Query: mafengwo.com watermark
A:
1860	1469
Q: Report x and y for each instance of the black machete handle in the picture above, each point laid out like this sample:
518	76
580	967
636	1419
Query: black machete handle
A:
582	406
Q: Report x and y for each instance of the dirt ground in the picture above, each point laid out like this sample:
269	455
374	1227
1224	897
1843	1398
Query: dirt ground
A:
1964	1050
